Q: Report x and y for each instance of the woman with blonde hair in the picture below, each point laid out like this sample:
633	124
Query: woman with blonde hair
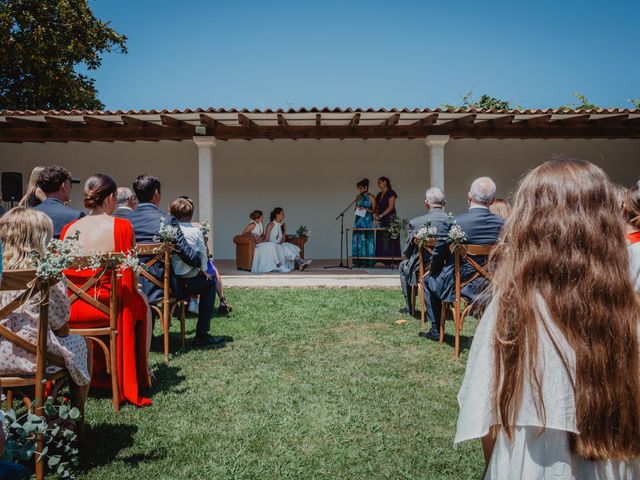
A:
22	232
552	385
34	195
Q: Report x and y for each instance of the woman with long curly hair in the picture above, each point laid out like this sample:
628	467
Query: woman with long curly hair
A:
553	380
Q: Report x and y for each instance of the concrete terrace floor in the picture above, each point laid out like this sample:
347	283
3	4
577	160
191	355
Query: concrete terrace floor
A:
314	276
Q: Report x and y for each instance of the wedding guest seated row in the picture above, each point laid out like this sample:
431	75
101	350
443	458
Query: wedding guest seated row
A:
147	220
182	209
552	384
272	252
24	231
481	228
100	232
434	202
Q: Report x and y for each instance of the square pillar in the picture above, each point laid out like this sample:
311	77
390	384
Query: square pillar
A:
436	145
205	182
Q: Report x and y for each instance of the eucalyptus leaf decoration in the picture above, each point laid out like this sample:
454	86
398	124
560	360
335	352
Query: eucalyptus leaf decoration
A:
60	451
303	231
59	256
396	227
166	234
205	228
456	233
425	233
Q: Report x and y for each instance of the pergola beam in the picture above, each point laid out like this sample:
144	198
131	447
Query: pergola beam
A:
168	121
391	121
99	122
282	122
426	121
610	120
25	122
535	122
63	123
573	121
137	122
355	120
246	121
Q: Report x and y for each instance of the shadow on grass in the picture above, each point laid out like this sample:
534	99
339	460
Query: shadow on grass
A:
465	341
167	378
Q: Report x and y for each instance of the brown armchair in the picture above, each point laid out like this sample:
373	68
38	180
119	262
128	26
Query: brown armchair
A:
246	245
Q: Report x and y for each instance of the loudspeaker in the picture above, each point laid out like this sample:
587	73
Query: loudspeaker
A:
11	186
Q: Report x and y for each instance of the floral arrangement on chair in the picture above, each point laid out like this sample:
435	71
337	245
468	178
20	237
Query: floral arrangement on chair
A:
59	256
303	231
456	234
59	450
167	233
396	227
425	233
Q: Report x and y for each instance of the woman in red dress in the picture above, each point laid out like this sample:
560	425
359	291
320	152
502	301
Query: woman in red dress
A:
100	232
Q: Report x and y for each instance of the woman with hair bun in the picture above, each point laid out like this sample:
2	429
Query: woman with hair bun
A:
363	242
99	232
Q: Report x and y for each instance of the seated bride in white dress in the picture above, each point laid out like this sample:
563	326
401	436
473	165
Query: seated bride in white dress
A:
288	253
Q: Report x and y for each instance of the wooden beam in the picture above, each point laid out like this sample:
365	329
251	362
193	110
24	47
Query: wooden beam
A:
100	122
355	120
461	122
318	119
168	121
535	122
282	122
208	121
426	121
609	120
573	121
391	121
137	122
25	122
246	121
499	122
62	123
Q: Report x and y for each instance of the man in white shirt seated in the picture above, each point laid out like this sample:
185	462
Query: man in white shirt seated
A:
182	209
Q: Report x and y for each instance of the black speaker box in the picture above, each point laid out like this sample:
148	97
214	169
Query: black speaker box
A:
11	186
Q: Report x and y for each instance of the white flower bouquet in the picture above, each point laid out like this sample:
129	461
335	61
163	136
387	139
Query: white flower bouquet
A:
166	234
60	255
456	234
396	227
303	231
425	233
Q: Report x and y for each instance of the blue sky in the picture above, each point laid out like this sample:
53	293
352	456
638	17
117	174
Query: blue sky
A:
393	53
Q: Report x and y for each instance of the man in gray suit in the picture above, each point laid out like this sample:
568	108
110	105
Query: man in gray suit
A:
127	202
434	201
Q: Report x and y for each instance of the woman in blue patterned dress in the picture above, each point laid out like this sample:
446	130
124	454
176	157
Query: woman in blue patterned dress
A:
363	243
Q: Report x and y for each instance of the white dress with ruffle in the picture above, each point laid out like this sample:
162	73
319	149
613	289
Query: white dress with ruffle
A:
287	252
265	257
535	452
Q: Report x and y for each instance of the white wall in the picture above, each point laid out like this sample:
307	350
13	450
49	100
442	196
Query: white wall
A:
313	180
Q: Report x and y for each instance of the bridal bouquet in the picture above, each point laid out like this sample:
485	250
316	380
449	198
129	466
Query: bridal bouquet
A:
166	234
456	233
426	232
59	256
396	227
303	231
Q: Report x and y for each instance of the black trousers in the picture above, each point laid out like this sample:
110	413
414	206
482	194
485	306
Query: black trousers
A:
206	289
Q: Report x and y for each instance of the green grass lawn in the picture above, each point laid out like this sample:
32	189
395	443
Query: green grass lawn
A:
318	384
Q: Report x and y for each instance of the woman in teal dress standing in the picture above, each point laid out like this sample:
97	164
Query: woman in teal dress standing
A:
363	243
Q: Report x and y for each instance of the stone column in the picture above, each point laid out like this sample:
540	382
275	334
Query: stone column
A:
205	182
436	145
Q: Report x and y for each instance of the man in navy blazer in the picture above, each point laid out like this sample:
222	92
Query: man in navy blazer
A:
481	228
146	221
56	182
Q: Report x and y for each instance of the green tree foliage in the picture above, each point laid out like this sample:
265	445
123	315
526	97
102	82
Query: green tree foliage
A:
583	103
635	102
41	44
485	102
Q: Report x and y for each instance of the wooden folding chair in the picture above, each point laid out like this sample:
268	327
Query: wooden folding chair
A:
109	267
160	252
427	246
24	384
463	251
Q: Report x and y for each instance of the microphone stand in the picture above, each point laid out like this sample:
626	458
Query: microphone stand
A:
342	239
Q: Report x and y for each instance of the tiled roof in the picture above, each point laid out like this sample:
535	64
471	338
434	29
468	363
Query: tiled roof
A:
316	110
